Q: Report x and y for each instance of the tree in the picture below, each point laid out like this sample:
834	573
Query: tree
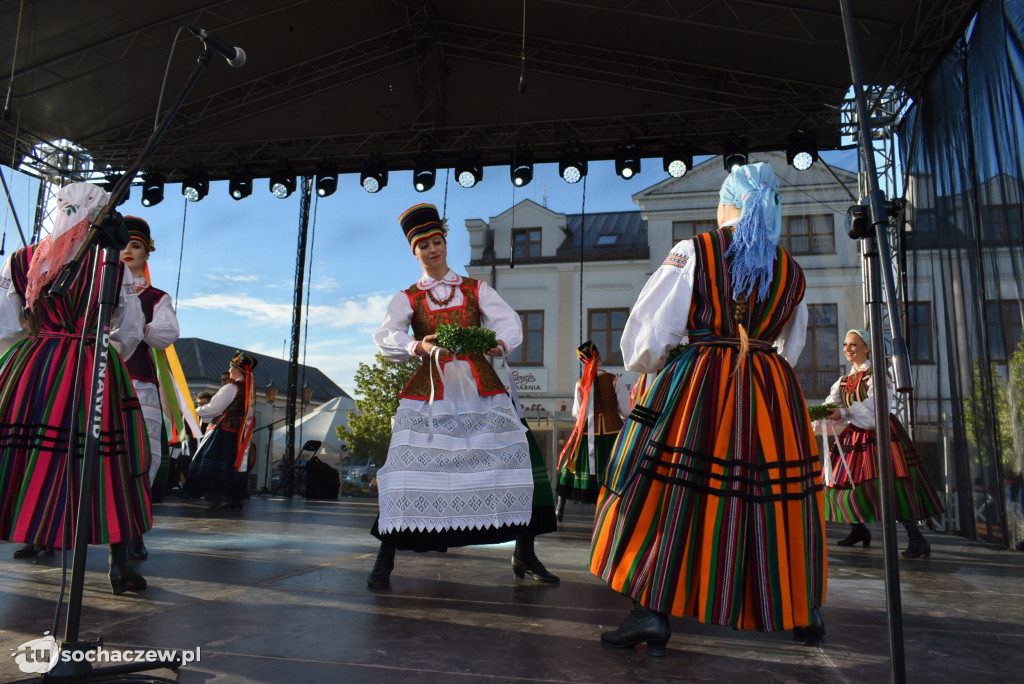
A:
369	425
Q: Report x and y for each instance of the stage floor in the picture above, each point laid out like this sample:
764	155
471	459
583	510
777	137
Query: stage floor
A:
277	593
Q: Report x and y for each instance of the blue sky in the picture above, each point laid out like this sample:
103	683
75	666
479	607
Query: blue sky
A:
238	258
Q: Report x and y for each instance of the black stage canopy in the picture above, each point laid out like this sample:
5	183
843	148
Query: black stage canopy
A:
341	81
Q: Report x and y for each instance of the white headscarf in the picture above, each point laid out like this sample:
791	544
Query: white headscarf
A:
754	189
78	204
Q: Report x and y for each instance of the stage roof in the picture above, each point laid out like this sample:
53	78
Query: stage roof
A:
343	81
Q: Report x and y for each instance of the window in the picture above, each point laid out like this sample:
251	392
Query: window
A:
531	352
1001	223
919	332
1003	324
605	329
808	234
684	230
607	240
526	242
817	368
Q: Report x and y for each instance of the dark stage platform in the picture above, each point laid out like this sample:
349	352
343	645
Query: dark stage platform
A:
277	593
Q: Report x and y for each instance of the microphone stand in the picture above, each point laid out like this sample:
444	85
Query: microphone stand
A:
109	237
265	489
878	265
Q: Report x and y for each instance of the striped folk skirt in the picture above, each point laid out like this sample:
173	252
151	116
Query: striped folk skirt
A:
855	495
36	416
713	508
578	483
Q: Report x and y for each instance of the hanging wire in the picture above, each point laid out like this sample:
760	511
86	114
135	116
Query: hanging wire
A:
181	253
14	58
309	287
444	210
583	224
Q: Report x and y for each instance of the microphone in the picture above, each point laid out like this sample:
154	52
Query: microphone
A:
234	55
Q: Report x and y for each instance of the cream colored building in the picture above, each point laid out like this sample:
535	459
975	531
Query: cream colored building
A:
622	249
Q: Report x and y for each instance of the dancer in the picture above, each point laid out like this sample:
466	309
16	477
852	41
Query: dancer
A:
161	330
461	468
40	404
713	505
601	401
851	474
220	466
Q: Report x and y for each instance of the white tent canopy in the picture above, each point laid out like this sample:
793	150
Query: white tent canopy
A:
319	425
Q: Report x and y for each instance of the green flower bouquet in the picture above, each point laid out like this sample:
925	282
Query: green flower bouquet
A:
459	340
820	411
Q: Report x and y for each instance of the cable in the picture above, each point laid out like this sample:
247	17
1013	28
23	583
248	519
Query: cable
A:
181	253
583	223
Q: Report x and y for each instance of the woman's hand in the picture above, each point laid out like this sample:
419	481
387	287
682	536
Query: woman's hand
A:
428	345
835	414
498	350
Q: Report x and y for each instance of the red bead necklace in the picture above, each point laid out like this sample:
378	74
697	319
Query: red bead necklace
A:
441	302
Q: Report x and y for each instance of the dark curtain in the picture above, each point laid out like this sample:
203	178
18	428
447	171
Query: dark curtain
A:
961	150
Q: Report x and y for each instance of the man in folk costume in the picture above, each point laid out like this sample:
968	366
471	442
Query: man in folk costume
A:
713	506
461	466
600	403
221	463
41	406
160	331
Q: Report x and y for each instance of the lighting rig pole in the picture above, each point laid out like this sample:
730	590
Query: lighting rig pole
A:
870	225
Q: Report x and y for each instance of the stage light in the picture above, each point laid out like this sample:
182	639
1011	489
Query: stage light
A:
676	162
424	174
469	172
195	186
627	160
282	182
734	155
521	170
573	166
152	189
111	181
374	176
802	151
326	179
240	183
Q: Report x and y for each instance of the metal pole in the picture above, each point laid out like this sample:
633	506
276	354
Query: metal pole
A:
878	268
305	196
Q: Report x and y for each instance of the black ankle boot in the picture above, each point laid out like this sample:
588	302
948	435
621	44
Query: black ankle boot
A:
859	533
525	561
918	546
27	551
122	575
560	508
137	549
814	633
642	624
380	576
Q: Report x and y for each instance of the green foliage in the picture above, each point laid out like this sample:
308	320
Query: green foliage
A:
377	388
470	340
676	352
820	411
994	412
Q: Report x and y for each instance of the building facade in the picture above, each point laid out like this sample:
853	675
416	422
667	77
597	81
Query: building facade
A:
574	277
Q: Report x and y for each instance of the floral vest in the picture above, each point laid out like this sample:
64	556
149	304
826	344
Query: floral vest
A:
425	322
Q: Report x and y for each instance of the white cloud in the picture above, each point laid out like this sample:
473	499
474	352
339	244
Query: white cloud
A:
358	312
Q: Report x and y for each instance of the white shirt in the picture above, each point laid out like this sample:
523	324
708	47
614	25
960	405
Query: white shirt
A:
397	343
657	322
219	403
621	397
860	413
163	330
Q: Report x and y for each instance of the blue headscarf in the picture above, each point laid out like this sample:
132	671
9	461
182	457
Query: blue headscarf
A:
754	190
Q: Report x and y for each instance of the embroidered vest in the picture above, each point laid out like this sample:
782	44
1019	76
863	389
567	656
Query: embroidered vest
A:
425	322
140	366
606	408
233	415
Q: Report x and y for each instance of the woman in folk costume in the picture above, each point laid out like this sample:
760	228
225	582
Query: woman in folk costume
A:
713	506
40	405
601	401
221	464
851	473
461	467
160	331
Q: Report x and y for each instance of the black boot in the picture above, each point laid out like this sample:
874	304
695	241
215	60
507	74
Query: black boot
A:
28	551
560	508
642	624
859	533
918	546
525	561
122	575
814	633
380	576
137	549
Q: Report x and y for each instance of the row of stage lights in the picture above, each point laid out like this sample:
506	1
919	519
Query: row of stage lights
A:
801	154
